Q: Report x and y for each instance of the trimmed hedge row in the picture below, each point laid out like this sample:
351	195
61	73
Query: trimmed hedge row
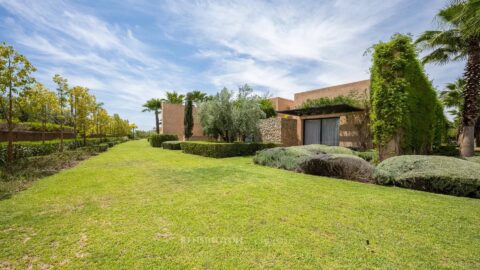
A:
29	149
447	175
156	140
222	150
171	145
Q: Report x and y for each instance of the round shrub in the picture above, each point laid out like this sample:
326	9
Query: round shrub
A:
339	166
171	145
447	175
101	147
323	160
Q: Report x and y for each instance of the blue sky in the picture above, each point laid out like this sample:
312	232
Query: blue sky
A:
129	51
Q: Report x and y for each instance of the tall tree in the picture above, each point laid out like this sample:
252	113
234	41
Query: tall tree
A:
84	107
175	98
154	105
62	90
188	118
459	39
41	104
15	77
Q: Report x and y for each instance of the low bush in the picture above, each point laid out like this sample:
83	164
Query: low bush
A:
222	150
101	147
447	175
156	140
339	166
369	155
171	145
317	160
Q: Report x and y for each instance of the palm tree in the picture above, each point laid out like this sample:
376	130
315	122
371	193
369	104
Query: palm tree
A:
175	98
154	105
197	96
459	40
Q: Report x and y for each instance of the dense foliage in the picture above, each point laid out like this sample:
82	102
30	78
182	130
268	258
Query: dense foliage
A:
156	140
171	145
229	118
333	161
188	118
338	100
267	107
222	150
23	150
439	174
403	101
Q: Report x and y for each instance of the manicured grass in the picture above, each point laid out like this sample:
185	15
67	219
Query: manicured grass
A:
141	207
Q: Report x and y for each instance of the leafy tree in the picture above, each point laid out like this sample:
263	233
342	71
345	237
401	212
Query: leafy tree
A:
41	104
133	127
84	106
96	110
154	105
215	116
459	39
62	90
267	107
227	118
246	113
103	121
188	118
15	77
175	98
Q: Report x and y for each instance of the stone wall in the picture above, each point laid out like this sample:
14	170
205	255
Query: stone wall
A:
279	130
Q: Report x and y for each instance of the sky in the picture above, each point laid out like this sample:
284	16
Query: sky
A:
129	51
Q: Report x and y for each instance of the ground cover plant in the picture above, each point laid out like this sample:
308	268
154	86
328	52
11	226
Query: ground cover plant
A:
316	159
440	174
141	207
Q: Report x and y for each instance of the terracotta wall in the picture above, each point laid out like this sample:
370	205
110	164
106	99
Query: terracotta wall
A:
361	88
172	121
34	136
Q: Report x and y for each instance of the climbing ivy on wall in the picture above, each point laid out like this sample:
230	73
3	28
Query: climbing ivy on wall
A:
403	100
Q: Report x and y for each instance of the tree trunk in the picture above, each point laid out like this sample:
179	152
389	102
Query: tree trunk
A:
477	133
470	110
156	121
10	130
44	123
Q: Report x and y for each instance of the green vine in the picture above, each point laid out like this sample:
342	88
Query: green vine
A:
404	102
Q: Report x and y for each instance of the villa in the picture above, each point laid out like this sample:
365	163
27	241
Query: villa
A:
338	125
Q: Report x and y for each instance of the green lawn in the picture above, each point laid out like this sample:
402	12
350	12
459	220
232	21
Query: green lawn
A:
141	207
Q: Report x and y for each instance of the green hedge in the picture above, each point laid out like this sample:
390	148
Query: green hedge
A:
156	140
26	149
171	145
447	175
222	150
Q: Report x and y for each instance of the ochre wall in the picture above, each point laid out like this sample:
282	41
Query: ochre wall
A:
172	121
361	87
